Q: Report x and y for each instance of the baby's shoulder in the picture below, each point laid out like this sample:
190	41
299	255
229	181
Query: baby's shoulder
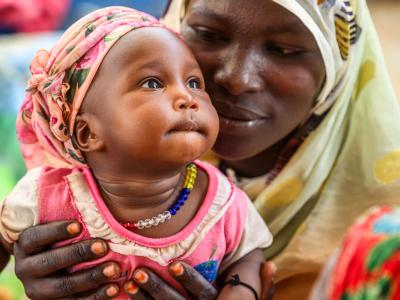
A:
36	178
226	195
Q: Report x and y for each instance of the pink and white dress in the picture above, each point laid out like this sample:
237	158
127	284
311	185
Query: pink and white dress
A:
225	228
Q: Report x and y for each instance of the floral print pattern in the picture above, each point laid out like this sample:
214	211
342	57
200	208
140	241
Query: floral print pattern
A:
60	80
369	263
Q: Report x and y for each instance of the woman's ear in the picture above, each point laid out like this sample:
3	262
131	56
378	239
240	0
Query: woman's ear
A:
87	134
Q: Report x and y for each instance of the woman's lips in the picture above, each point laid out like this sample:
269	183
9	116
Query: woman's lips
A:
234	119
238	113
236	126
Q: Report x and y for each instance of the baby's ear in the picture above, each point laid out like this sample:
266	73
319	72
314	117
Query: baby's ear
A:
87	133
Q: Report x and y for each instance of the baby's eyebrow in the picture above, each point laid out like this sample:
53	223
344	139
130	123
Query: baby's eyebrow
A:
150	65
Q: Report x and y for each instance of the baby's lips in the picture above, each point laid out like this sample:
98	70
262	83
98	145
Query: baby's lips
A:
187	125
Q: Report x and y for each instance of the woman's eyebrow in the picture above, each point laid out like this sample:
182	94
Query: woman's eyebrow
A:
209	14
291	26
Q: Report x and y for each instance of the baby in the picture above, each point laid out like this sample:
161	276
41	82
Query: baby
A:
115	117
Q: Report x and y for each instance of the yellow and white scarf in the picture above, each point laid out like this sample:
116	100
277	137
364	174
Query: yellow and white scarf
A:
351	161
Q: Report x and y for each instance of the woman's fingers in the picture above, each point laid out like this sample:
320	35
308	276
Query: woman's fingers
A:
42	270
135	292
154	286
45	263
69	285
103	293
268	287
194	283
34	239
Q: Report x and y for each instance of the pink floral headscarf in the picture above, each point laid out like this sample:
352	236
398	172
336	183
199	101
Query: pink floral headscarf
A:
60	80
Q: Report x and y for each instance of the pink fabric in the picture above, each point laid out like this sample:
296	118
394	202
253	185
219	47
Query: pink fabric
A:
222	239
33	15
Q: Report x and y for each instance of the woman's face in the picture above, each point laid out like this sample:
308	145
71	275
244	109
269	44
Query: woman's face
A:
262	67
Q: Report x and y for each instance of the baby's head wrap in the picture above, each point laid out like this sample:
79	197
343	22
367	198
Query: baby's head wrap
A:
60	80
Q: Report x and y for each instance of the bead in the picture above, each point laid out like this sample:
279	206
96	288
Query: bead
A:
155	221
147	223
140	224
187	186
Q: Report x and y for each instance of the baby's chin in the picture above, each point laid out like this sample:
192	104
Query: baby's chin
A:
187	148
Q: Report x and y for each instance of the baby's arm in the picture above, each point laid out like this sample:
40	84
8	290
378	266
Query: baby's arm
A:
19	210
241	268
6	245
248	271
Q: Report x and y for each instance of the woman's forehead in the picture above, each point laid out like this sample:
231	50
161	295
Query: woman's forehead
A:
264	15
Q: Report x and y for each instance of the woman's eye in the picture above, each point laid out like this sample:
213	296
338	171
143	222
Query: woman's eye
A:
152	84
194	83
207	35
283	51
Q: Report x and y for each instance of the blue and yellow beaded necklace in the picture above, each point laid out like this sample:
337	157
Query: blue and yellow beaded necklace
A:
187	187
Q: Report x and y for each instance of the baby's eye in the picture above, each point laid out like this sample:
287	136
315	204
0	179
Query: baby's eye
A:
194	83
152	83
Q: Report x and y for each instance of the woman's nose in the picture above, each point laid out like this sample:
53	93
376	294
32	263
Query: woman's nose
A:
240	72
184	101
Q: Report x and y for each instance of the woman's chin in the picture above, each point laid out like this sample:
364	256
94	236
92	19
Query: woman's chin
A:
233	150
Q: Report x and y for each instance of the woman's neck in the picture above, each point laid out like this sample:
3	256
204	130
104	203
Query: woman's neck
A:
259	164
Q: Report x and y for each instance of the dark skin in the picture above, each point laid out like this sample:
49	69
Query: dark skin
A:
280	67
263	69
155	76
150	82
138	166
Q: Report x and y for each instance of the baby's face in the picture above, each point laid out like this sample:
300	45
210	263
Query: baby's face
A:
150	98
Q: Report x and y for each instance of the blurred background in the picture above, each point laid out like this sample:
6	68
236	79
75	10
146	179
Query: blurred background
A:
27	25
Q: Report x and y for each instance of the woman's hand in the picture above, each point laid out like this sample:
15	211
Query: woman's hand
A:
42	270
147	285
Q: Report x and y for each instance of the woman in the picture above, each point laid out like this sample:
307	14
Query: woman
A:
310	129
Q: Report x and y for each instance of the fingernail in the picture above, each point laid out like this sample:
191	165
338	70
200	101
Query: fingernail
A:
99	248
141	276
273	268
112	291
111	271
177	269
131	288
73	228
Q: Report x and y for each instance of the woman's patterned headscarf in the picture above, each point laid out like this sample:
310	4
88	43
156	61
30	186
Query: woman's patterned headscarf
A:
348	157
60	80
